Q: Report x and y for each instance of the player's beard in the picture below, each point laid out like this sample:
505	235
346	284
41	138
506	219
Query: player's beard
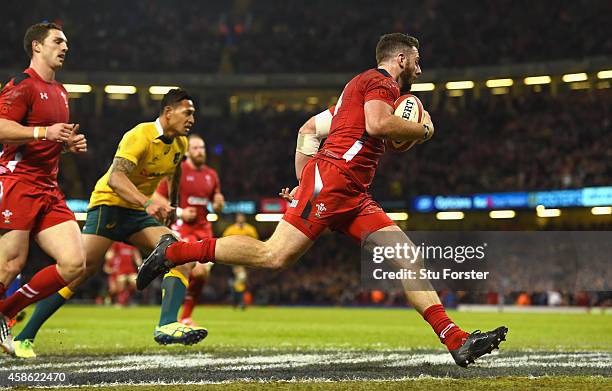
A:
198	161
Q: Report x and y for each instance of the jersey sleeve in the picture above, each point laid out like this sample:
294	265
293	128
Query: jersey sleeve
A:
132	147
15	99
217	187
162	188
381	88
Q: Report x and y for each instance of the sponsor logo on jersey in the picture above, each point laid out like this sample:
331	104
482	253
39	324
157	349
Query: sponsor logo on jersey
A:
294	203
44	96
193	200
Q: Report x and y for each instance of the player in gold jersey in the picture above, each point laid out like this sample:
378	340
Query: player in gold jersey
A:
121	209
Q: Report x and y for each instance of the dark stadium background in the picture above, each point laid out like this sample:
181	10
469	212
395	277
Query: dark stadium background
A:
259	69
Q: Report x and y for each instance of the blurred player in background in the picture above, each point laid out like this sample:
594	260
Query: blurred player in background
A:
121	208
199	186
34	131
239	282
333	193
121	265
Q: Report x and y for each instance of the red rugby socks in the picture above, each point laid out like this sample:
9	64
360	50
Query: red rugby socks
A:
449	333
183	252
43	284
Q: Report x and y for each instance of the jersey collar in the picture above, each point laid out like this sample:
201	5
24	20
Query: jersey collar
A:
384	72
160	133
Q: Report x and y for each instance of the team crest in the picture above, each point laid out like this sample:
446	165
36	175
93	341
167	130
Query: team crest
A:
166	149
320	209
7	216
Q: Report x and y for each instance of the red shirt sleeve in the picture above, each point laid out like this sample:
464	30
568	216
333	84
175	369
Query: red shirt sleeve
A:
217	187
331	109
162	188
14	101
381	88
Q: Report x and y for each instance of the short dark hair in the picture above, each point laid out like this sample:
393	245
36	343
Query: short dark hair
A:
173	98
38	32
389	44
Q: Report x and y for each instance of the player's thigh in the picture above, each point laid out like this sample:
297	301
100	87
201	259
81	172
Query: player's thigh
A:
63	242
96	247
14	246
387	236
288	243
146	239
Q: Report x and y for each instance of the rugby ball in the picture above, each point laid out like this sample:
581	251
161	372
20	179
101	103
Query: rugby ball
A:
409	108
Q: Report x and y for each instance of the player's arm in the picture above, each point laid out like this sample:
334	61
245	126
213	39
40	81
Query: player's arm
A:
218	202
382	123
309	139
12	132
121	184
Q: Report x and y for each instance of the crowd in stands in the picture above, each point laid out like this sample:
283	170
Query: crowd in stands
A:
266	36
532	141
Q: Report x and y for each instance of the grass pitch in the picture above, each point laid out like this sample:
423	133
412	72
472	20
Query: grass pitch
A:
309	347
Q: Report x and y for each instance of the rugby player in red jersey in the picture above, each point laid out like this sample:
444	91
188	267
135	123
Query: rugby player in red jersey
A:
199	186
121	262
34	130
333	193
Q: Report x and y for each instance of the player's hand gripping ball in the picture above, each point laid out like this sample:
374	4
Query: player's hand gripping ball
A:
409	108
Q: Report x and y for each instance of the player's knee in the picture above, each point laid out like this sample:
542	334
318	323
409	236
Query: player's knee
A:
73	267
275	260
12	268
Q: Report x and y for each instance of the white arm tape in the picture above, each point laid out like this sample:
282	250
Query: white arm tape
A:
323	124
308	144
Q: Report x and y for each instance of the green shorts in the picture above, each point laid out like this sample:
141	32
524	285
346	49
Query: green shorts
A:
117	223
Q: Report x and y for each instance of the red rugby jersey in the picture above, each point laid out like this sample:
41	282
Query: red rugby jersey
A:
122	261
348	145
197	188
32	101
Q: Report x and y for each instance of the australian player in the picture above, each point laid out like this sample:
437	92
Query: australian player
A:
199	186
333	192
121	208
34	130
239	281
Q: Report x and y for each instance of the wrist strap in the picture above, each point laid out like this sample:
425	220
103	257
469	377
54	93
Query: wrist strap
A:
148	203
40	132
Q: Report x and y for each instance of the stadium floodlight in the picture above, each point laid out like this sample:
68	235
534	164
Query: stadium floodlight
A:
500	90
494	83
268	217
502	214
450	215
543	212
607	74
398	216
78	88
572	77
212	217
533	80
459	85
417	87
118	89
161	90
601	210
